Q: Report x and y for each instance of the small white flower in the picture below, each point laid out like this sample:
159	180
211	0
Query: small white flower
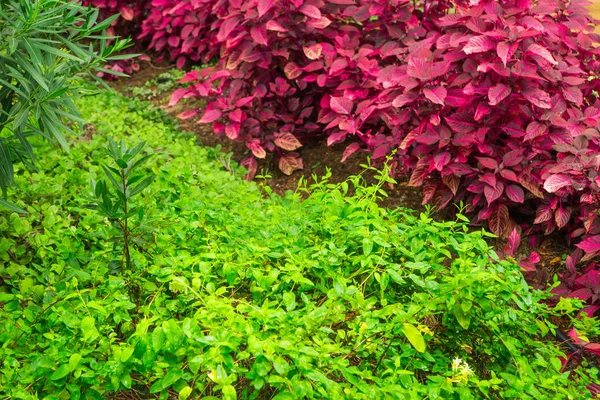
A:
456	363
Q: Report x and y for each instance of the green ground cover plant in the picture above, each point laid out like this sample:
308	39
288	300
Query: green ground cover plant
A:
231	291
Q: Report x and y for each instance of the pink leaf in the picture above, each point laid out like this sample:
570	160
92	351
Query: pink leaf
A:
351	149
582	294
556	182
310	11
177	95
273	25
543	214
514	240
264	6
436	94
461	123
498	93
562	217
287	141
187	114
251	165
341	105
126	13
441	160
499	220
535	129
590	245
258	35
292	71
227	26
232	131
210	116
573	94
542	52
289	164
256	148
502	50
538	98
493	193
488	162
515	193
478	44
312	52
404	99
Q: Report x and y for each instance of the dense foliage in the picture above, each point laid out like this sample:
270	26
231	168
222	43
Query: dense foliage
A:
236	293
493	103
46	48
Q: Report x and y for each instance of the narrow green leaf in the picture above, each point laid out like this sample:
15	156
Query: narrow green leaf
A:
12	207
142	185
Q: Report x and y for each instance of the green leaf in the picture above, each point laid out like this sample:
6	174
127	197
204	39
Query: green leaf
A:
414	336
463	318
74	361
185	393
367	246
142	185
170	378
61	372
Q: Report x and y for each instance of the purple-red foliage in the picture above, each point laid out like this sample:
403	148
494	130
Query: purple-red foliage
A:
180	29
495	106
291	71
132	13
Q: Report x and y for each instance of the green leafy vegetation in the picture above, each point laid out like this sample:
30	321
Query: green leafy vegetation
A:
47	46
234	292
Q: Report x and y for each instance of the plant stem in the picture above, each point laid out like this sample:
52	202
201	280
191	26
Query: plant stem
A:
124	224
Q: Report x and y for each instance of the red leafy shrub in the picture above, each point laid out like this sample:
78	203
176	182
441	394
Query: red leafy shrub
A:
132	13
292	71
495	107
181	30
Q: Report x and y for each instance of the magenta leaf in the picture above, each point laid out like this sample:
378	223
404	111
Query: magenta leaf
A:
478	44
513	243
515	193
538	98
499	220
289	163
498	93
436	94
341	105
310	11
556	182
590	245
264	6
210	116
542	52
287	141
